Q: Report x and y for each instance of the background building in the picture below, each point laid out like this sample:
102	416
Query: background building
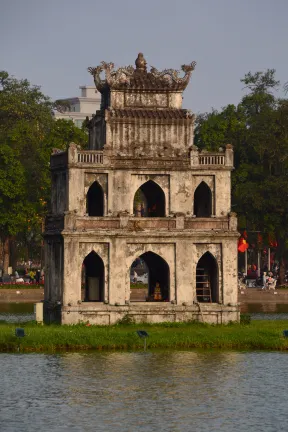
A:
81	106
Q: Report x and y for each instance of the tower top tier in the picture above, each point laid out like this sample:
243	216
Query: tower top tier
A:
134	80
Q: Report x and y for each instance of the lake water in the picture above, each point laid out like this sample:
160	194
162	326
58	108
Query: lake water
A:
153	391
143	391
16	312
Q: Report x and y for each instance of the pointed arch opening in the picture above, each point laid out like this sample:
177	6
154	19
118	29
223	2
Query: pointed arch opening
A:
149	200
149	279
203	201
92	287
207	277
95	200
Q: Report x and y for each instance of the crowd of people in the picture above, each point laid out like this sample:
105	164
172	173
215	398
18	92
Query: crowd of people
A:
265	279
33	276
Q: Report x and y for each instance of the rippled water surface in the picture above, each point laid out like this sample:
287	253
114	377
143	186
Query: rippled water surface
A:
152	391
16	312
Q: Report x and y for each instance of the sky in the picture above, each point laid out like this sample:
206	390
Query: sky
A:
52	42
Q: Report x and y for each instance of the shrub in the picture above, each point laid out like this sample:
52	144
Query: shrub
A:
126	320
245	319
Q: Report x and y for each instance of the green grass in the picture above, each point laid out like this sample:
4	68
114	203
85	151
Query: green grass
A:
258	335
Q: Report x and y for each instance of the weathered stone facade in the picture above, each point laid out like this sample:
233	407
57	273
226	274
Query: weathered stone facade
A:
141	140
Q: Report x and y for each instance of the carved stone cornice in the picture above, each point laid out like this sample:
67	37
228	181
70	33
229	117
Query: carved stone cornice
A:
139	78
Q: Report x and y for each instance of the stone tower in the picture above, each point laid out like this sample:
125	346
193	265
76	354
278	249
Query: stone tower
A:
141	191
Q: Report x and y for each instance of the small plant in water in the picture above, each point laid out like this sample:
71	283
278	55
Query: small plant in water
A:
245	319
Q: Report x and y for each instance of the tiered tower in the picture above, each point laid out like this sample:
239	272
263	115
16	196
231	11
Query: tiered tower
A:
141	190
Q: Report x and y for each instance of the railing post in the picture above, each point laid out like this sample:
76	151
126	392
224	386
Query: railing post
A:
229	156
180	221
72	153
194	156
232	221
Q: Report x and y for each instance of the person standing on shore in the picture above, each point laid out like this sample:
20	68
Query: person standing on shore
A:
37	277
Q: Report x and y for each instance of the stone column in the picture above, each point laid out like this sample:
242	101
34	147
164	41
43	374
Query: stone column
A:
72	272
230	271
184	272
117	272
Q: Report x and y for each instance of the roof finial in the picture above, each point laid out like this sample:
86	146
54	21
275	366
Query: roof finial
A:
141	62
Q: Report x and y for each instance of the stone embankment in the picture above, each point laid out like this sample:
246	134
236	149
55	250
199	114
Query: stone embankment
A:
21	295
250	295
254	295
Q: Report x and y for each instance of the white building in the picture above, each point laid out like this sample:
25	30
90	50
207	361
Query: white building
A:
81	106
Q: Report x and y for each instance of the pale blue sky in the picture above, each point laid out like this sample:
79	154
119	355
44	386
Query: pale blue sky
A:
52	42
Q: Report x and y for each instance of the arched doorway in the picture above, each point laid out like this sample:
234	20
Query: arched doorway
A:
203	201
207	289
92	280
153	272
95	200
149	200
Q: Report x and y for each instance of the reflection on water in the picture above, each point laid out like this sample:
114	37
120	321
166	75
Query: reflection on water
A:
152	391
16	312
272	308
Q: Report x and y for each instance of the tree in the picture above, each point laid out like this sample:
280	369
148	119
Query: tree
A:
28	133
216	129
258	130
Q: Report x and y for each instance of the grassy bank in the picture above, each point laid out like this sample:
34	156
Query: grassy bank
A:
256	335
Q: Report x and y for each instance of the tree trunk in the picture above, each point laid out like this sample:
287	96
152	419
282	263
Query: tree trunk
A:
282	271
6	253
1	252
13	253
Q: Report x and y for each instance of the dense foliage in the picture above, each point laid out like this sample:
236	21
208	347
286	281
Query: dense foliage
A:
258	130
28	132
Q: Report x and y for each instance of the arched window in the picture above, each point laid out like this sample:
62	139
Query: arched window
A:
149	200
207	289
95	200
203	201
149	278
92	289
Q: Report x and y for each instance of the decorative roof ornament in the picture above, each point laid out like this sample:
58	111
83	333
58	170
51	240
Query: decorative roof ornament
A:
112	78
139	79
172	75
141	63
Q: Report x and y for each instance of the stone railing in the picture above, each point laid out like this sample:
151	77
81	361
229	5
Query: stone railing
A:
212	159
87	157
90	157
206	224
86	223
205	159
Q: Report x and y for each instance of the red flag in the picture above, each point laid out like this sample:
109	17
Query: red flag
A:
242	245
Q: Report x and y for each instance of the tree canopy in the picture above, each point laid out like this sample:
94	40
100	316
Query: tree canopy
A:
28	133
258	129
